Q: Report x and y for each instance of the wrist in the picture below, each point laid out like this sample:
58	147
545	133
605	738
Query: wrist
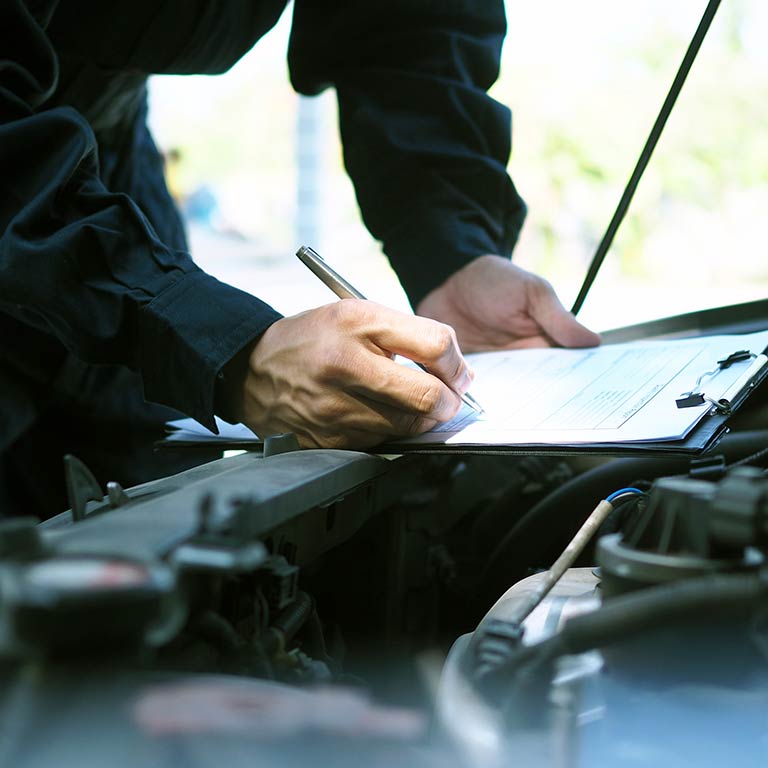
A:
229	390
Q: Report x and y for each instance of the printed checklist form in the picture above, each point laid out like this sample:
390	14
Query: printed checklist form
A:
616	393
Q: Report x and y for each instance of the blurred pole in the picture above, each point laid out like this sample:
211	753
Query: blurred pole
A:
309	152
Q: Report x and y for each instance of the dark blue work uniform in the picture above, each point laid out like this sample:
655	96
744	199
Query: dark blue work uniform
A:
101	305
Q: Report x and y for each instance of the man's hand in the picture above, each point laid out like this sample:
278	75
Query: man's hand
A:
328	376
494	304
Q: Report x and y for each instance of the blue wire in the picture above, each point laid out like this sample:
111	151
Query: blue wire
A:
621	492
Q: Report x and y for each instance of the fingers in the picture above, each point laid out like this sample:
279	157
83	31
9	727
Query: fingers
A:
555	320
494	304
327	375
404	388
366	368
420	339
331	417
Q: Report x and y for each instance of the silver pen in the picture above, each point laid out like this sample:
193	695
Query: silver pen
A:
315	262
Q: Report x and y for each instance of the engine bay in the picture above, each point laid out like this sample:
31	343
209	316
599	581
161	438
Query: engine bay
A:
265	606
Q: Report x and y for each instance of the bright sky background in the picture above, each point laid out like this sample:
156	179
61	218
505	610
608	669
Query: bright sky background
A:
584	81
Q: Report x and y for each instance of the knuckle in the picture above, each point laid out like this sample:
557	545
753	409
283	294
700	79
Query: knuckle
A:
439	341
541	286
426	400
334	314
445	338
346	313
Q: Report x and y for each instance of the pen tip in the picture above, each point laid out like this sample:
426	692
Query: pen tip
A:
473	404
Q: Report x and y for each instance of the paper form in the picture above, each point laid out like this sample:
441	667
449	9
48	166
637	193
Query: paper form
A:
189	430
613	393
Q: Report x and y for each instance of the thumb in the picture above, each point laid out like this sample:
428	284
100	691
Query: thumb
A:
558	323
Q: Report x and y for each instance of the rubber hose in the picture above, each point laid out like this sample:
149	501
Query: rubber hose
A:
637	612
557	517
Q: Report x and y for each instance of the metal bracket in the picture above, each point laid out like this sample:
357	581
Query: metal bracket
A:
82	487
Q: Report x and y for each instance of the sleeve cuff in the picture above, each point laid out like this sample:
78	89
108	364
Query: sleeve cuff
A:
435	243
186	336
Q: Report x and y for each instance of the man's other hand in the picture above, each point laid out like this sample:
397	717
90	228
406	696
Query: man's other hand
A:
328	375
494	304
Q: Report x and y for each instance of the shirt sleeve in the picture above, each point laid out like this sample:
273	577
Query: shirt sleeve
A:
425	145
84	264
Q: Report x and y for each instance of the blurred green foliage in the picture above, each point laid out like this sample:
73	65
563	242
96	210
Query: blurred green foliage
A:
585	85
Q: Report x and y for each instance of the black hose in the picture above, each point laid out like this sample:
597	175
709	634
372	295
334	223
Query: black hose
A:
626	616
540	535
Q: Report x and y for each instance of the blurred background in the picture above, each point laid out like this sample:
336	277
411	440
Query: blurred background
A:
257	169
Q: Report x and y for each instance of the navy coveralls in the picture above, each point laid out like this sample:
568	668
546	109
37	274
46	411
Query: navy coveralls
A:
101	305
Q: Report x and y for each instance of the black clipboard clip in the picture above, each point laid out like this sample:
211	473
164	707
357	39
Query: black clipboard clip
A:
696	397
722	406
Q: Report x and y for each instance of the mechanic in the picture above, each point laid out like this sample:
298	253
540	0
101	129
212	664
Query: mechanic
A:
109	329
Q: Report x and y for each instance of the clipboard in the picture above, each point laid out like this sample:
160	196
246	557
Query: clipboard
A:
696	368
703	437
665	397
